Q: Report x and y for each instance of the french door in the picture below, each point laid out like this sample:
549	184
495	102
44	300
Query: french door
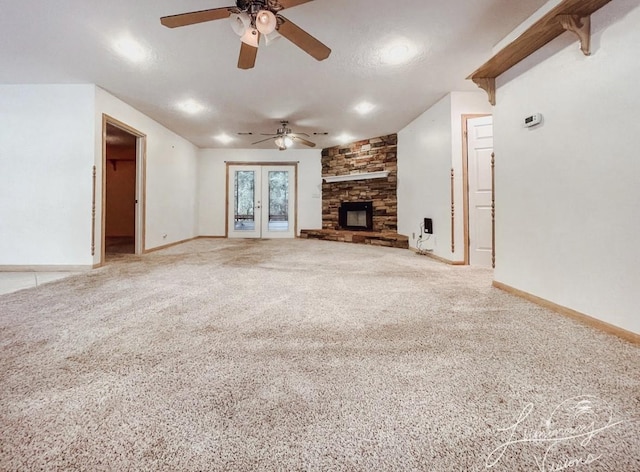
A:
261	201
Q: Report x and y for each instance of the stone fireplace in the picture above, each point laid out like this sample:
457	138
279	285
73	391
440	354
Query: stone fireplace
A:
359	194
362	158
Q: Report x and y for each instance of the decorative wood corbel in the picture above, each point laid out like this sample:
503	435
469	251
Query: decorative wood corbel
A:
581	27
488	84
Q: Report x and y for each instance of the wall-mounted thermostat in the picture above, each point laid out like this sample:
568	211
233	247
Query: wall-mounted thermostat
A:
532	120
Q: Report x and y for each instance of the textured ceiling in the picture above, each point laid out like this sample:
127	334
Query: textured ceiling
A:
72	41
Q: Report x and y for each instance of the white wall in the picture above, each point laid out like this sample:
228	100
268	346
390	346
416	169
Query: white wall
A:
568	191
46	157
424	170
212	184
171	174
428	148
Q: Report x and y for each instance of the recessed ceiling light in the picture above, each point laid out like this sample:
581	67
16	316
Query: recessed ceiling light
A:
364	108
224	138
191	107
344	138
399	52
131	50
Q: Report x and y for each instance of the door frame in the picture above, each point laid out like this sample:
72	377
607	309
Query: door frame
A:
141	184
465	185
229	164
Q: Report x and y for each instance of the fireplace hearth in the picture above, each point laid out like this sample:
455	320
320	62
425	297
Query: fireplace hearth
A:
356	216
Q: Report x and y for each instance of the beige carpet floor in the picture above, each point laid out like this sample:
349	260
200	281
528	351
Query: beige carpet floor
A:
305	355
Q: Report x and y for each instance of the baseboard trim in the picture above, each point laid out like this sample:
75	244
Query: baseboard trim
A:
211	237
167	246
438	258
45	268
573	314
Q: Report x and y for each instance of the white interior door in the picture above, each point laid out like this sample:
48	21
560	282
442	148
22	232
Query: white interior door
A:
480	148
261	201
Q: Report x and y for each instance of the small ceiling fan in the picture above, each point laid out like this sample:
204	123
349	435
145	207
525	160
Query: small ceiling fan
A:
251	19
284	138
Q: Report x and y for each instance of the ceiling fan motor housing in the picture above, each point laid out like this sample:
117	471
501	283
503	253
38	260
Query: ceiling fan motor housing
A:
284	130
243	4
254	6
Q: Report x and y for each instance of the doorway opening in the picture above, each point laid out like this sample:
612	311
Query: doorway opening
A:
122	190
479	192
261	200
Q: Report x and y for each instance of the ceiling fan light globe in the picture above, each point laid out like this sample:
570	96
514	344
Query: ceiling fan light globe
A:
266	22
288	142
280	143
251	37
240	23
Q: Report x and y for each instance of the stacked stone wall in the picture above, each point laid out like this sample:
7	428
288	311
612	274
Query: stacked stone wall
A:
371	155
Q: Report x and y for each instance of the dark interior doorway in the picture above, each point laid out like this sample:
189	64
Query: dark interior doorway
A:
120	194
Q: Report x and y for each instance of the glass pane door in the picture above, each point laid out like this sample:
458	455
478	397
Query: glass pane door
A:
261	201
244	202
244	208
278	187
278	200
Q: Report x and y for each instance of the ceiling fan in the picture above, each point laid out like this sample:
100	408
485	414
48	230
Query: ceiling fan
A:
284	138
251	19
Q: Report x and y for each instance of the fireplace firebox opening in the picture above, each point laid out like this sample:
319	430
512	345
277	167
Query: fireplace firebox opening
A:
356	216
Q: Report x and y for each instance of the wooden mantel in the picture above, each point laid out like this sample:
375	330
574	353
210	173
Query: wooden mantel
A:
570	15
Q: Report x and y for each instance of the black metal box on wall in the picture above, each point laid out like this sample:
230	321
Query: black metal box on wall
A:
428	226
